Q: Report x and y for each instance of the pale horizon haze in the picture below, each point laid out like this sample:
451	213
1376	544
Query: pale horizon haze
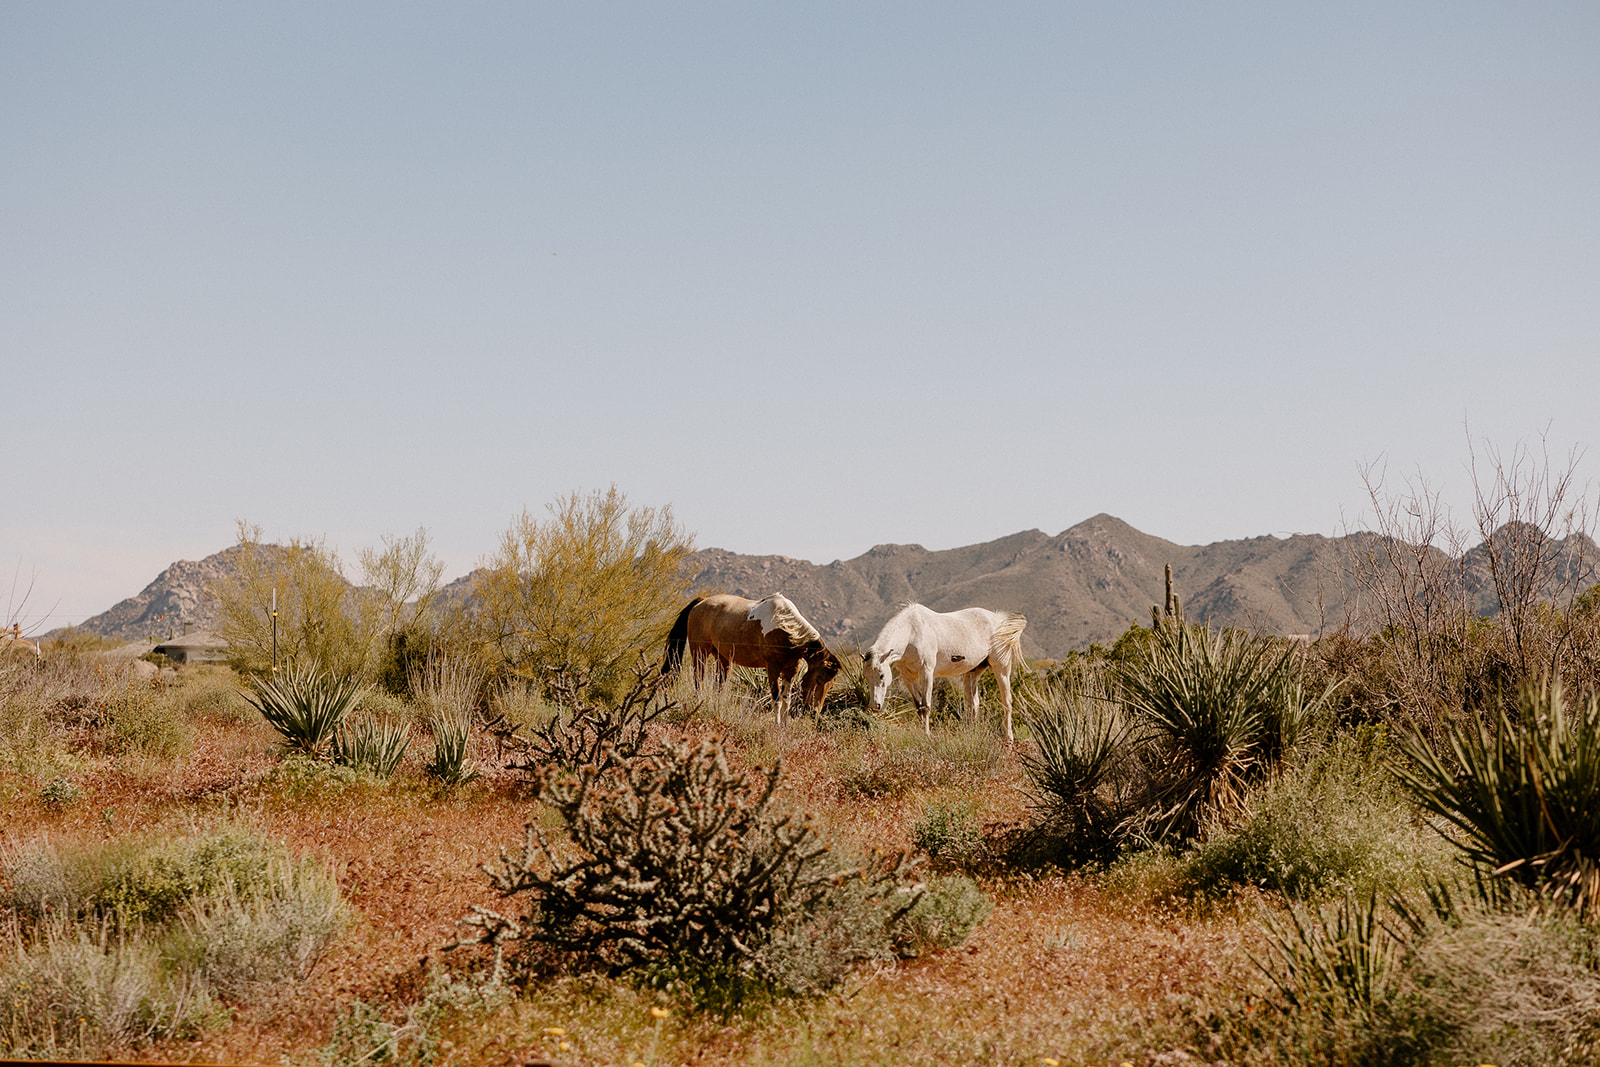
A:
818	276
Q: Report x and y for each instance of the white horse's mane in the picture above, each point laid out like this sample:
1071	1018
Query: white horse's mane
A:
777	612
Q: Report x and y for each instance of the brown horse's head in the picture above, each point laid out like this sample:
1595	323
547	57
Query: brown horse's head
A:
821	666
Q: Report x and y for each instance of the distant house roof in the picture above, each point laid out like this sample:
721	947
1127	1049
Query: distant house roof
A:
202	646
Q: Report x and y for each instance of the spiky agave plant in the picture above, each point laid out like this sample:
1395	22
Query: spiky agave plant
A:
1222	708
1523	799
305	705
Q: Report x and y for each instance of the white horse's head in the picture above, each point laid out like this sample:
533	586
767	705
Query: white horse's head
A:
878	671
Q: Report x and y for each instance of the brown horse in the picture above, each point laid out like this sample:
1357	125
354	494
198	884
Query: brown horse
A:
768	633
11	640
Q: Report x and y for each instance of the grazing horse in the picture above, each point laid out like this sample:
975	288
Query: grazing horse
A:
920	644
11	640
768	633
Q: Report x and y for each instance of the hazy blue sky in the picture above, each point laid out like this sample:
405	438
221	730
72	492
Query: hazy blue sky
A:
819	276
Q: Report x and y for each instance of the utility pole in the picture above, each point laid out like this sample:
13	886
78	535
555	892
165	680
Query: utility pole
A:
274	629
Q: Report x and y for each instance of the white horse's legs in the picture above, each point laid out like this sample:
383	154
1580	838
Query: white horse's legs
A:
969	683
1003	679
925	701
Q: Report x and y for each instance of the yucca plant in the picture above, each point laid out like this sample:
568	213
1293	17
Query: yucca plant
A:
452	737
1221	708
1524	798
305	705
1078	782
372	744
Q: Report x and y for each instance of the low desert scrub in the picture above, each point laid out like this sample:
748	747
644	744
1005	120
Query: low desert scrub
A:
1336	826
212	693
1360	982
120	943
141	718
949	834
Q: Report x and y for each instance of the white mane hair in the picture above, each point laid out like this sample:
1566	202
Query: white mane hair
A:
777	612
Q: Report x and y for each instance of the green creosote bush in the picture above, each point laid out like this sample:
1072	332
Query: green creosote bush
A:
1338	825
305	705
1522	801
122	942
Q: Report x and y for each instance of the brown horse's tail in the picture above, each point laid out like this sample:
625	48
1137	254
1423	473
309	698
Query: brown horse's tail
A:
678	638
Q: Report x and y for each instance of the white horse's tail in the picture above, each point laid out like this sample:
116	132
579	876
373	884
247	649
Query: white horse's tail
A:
1005	644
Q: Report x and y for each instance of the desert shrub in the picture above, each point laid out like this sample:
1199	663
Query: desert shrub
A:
61	792
70	994
299	777
585	589
273	931
1361	982
141	719
948	833
213	693
944	916
1333	827
673	860
134	881
121	942
305	705
1523	801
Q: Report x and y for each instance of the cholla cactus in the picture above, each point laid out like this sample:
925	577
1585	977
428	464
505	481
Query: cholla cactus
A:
677	856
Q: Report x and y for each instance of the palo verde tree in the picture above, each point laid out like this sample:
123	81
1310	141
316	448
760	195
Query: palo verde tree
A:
323	620
583	589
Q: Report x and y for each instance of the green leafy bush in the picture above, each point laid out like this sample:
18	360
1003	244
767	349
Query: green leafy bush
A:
1335	826
944	916
948	833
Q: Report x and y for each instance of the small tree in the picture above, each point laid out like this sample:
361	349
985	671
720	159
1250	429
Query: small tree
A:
323	620
312	596
585	588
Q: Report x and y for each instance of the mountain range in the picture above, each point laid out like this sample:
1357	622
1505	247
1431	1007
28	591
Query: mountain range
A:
1084	585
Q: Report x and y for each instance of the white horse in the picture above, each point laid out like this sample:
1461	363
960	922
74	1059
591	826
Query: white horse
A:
920	644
